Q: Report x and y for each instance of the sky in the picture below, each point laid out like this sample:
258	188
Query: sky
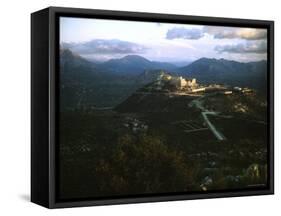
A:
100	39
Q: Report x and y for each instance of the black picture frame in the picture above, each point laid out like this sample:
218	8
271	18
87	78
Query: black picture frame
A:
44	101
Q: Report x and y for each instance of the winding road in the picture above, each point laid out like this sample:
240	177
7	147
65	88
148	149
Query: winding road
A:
216	132
204	112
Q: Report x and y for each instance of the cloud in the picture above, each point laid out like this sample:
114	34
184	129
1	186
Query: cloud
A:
258	47
234	32
101	46
217	33
184	33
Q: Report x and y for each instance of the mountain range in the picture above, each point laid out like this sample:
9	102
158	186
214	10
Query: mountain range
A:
109	83
84	83
134	65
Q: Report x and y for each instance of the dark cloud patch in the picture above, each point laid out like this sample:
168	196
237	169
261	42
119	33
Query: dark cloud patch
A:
259	47
232	33
184	33
101	46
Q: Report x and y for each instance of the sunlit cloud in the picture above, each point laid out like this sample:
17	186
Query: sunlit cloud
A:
232	33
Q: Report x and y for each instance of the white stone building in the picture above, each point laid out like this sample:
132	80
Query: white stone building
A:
181	83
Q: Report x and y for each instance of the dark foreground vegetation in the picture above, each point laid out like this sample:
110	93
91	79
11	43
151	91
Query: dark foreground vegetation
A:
130	151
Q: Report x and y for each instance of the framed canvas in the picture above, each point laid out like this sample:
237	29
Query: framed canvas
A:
137	107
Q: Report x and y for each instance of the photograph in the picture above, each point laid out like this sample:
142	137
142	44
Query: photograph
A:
148	108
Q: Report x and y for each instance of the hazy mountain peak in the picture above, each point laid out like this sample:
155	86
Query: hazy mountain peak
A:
135	58
67	53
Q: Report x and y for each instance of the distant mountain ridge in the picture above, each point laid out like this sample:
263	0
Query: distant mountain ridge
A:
135	64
